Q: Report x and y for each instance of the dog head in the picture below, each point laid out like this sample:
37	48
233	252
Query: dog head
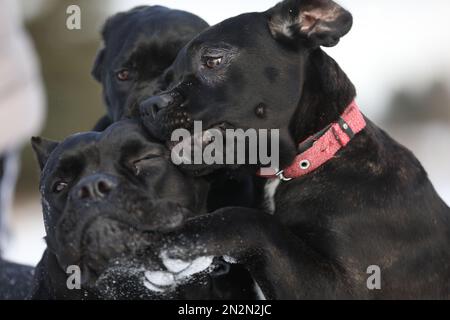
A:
138	46
248	72
106	196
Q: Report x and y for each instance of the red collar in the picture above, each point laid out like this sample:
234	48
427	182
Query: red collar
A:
322	147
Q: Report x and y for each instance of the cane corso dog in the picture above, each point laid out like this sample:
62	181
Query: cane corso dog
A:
107	198
364	220
138	45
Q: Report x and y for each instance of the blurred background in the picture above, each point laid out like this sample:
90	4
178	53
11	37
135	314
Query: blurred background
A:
398	56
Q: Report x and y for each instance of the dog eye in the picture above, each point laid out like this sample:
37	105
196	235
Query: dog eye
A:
59	186
147	157
137	164
123	75
213	62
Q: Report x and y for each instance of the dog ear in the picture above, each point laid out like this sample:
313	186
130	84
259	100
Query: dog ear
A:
312	23
97	69
42	149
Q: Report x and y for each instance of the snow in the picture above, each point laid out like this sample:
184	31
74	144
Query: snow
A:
174	265
197	266
152	287
229	260
160	278
160	281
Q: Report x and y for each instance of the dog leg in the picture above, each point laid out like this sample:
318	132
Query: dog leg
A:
283	266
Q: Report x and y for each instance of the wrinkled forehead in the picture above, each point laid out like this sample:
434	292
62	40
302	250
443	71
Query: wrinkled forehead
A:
122	131
133	22
71	151
153	34
121	138
155	24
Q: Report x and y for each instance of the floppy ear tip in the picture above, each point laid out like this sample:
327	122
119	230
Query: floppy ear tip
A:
346	20
318	23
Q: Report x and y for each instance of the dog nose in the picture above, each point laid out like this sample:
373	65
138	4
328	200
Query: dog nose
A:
156	103
95	187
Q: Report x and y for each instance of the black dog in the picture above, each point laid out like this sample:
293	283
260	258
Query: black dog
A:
107	199
368	202
139	45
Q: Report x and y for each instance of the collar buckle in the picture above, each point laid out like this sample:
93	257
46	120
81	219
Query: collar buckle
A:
280	175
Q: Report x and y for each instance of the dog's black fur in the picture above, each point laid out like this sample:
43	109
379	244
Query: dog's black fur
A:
142	42
373	204
107	196
154	35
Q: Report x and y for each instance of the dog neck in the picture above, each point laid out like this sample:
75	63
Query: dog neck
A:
326	95
327	92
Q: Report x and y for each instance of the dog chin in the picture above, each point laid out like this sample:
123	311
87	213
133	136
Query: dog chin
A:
106	244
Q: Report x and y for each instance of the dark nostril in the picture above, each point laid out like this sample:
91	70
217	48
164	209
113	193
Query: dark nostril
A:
84	193
104	187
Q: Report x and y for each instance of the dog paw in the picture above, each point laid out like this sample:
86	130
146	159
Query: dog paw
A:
177	272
